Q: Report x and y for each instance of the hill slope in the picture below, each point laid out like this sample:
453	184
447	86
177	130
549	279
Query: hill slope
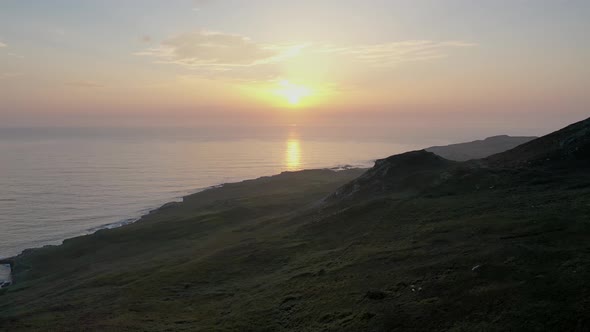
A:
563	147
417	243
480	148
404	174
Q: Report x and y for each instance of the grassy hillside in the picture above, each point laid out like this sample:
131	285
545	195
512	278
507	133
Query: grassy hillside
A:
417	243
480	148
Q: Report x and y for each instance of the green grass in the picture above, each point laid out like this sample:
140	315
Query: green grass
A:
268	255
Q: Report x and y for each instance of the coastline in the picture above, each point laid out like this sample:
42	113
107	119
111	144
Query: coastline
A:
418	235
112	225
5	275
209	227
136	216
9	261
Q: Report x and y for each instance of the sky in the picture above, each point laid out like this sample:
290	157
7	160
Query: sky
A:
518	65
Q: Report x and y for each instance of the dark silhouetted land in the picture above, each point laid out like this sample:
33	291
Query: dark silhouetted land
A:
416	243
480	148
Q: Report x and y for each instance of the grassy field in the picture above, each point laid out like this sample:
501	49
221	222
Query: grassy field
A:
479	249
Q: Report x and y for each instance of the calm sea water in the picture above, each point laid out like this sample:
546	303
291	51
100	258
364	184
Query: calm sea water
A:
62	182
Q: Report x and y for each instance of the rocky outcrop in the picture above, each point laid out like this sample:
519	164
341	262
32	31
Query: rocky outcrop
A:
403	174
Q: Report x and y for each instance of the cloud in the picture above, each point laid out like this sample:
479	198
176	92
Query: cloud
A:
18	56
84	84
145	39
216	50
9	75
388	54
215	54
199	4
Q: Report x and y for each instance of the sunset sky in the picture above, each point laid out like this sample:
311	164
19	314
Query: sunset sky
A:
190	63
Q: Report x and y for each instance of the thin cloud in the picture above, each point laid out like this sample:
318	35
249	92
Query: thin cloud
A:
84	84
387	54
18	56
199	4
3	45
215	54
145	39
216	50
4	76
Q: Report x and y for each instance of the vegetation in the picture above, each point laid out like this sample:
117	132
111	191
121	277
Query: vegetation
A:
480	148
417	243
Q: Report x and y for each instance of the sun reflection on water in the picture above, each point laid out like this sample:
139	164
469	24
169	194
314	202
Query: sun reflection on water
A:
293	154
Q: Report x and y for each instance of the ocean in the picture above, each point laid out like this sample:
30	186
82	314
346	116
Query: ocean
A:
57	183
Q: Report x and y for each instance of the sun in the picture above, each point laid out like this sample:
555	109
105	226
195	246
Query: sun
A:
293	93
